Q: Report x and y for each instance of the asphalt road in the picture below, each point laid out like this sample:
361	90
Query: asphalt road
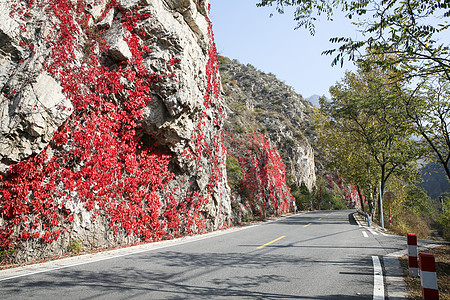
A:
315	255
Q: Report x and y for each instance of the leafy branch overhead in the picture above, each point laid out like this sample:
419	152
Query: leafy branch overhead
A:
408	39
409	29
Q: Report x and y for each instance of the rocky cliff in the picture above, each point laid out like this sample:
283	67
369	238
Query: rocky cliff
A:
111	124
259	102
267	137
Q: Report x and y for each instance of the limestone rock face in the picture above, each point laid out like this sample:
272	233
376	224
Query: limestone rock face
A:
27	123
117	47
32	105
40	108
262	103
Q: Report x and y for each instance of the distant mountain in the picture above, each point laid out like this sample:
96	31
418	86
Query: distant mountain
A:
314	99
435	181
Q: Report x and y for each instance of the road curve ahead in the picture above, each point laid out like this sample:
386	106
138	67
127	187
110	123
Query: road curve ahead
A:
315	255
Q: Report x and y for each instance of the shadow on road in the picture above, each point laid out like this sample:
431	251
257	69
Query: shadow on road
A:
351	219
203	274
168	275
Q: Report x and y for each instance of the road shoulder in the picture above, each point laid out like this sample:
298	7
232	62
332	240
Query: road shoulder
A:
395	284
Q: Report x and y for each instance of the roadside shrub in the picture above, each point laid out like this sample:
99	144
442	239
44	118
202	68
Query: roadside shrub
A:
247	218
5	255
444	219
328	198
75	247
418	201
407	221
337	201
300	193
234	173
302	201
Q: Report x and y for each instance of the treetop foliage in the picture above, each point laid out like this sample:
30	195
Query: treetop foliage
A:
406	38
364	131
410	29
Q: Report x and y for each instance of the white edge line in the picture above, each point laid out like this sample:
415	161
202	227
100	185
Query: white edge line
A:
372	231
357	220
378	284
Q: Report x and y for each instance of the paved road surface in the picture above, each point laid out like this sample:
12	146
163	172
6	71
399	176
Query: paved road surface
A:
315	255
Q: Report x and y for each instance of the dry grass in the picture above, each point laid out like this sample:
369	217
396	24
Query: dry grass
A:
442	257
406	222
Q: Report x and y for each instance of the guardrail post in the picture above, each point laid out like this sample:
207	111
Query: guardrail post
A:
428	278
413	264
367	216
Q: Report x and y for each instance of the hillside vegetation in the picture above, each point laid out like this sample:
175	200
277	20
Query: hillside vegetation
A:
262	111
394	110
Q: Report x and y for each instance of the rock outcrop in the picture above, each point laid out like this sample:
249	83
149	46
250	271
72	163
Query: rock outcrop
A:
259	102
111	124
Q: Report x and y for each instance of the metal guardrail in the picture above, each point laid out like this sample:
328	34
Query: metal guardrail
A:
365	215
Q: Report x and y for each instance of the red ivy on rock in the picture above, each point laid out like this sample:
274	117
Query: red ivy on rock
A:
263	187
96	158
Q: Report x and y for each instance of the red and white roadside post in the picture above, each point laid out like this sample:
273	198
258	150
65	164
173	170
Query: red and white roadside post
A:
428	278
413	263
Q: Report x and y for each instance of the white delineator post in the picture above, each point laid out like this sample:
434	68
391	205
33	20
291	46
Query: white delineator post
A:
413	263
381	206
428	278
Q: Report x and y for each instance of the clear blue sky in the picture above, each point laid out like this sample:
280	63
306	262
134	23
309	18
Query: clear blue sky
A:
245	32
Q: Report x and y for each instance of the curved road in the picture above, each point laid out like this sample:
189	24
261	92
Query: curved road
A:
314	255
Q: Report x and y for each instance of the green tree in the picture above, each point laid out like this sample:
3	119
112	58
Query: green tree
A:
325	197
428	107
365	116
410	36
301	194
345	154
418	201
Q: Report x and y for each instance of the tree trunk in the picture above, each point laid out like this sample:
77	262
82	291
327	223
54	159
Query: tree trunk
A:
360	197
381	192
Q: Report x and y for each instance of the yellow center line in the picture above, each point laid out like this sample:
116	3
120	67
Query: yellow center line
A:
307	225
271	242
320	219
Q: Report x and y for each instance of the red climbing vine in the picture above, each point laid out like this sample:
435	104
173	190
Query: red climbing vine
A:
263	188
98	159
